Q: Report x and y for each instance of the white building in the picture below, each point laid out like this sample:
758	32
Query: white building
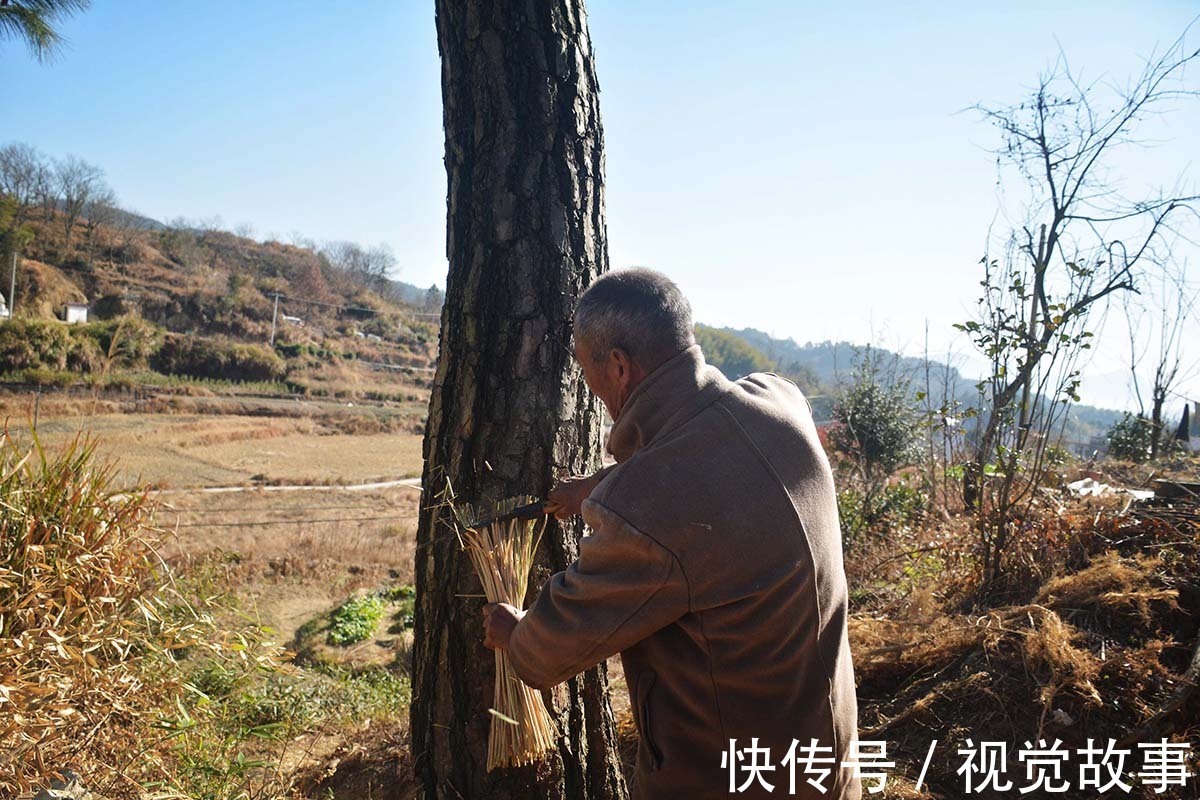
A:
75	312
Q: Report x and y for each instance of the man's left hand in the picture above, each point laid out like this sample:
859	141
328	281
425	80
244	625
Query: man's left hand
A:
499	620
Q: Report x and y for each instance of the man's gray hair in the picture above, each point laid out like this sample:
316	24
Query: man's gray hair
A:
636	310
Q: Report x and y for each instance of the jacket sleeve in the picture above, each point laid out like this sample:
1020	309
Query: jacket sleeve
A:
623	587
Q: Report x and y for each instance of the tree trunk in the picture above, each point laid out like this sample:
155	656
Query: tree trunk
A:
509	412
1156	421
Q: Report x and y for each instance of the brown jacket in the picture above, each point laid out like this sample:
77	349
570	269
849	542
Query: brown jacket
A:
714	568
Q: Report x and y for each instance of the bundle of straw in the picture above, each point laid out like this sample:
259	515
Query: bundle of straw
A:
502	554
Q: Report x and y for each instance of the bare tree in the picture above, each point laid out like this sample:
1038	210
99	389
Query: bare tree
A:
19	169
78	184
45	189
345	261
100	211
124	228
370	268
379	268
1078	242
1166	312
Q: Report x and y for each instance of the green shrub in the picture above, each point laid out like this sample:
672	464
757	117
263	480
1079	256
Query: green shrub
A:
880	513
291	350
355	620
217	358
40	376
878	418
404	595
1131	438
83	355
34	344
129	340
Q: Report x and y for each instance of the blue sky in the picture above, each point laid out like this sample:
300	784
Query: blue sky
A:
803	168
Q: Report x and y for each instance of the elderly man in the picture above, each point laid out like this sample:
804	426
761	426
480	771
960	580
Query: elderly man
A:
714	566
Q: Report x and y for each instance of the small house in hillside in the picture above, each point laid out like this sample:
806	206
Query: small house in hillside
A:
75	312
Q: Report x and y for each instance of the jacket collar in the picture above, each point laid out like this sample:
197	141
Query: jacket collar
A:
672	393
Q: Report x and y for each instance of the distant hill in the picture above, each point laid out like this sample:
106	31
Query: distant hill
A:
131	219
430	299
819	368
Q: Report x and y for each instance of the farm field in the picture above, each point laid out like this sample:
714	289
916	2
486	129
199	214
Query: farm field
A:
188	450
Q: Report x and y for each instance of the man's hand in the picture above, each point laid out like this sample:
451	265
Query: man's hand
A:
569	495
499	619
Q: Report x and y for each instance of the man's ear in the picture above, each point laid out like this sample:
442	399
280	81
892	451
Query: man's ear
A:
621	366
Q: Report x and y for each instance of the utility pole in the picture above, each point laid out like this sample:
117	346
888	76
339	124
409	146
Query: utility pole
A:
274	314
12	288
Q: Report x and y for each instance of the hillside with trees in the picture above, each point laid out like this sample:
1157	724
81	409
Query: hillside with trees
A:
191	299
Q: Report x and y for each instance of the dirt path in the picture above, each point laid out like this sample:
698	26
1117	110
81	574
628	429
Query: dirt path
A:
412	483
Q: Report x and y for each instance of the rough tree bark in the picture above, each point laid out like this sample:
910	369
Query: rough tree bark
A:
509	413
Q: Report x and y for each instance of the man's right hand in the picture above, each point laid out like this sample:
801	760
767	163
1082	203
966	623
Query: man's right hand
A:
568	496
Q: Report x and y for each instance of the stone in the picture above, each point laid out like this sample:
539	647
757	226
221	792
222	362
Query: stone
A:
69	787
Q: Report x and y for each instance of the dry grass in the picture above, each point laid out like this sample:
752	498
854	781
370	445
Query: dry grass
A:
502	554
1096	628
91	625
1115	584
1091	652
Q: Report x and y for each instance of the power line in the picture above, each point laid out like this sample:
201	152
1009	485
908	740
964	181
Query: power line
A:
222	511
396	367
350	308
258	523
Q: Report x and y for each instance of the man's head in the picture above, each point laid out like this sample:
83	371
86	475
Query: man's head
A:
626	324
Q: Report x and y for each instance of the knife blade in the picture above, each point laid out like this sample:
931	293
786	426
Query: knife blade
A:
530	511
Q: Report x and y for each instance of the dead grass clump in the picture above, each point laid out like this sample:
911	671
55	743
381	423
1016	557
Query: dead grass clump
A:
888	650
91	626
1050	647
354	424
171	404
1099	649
72	569
999	676
1113	583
